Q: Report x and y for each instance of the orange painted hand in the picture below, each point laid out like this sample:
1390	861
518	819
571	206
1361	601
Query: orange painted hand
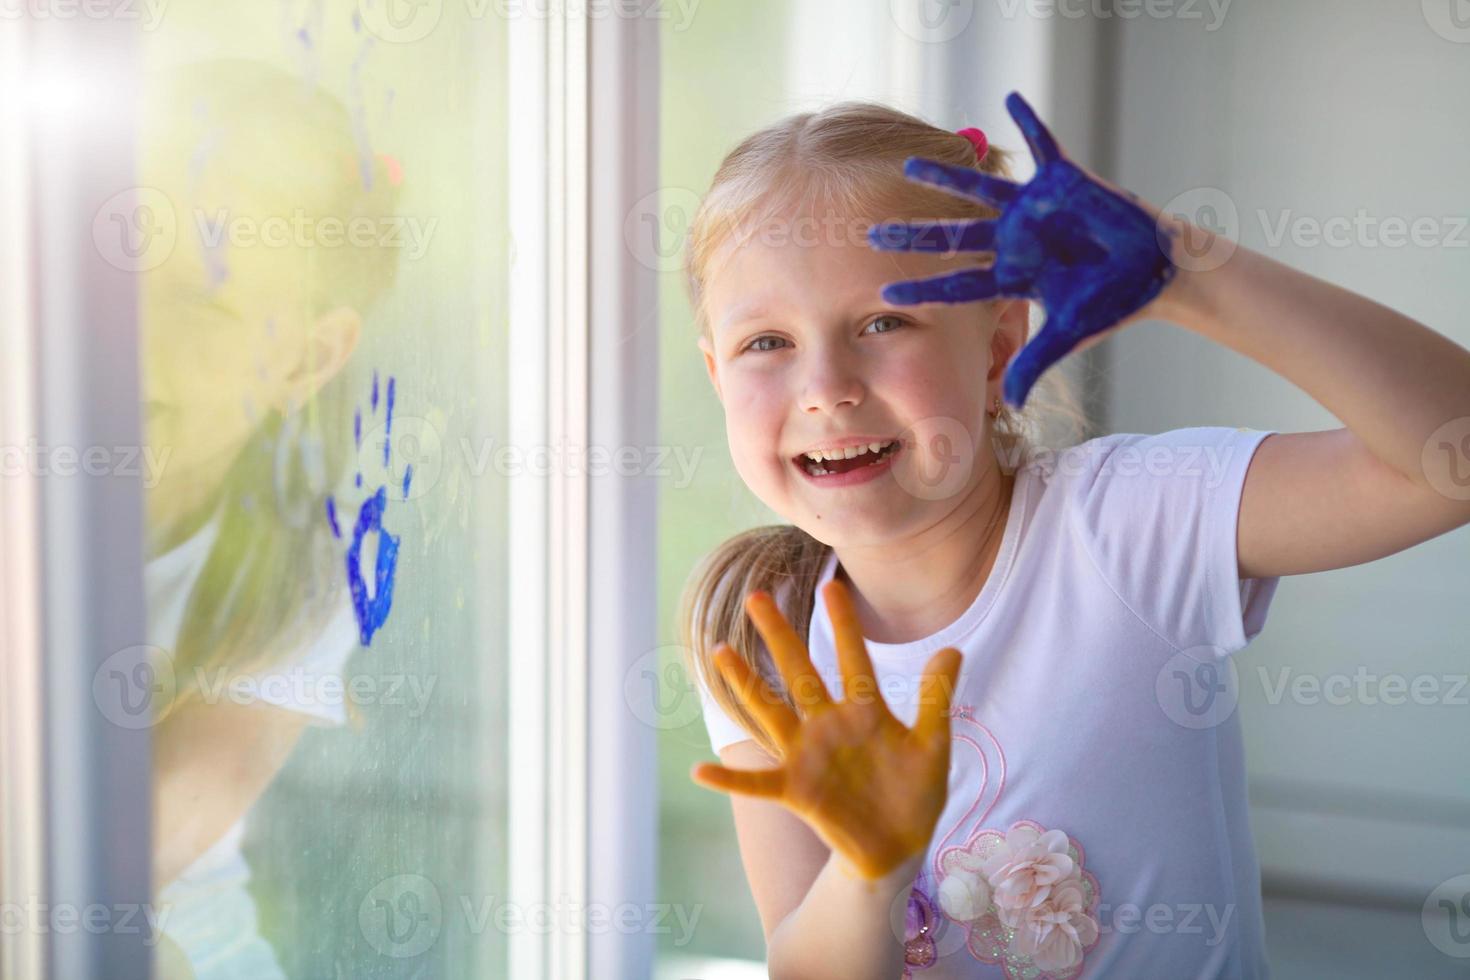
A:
871	788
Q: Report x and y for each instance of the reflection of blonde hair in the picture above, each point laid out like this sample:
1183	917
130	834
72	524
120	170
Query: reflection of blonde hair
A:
849	156
275	575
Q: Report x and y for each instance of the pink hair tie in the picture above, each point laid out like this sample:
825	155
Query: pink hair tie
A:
977	138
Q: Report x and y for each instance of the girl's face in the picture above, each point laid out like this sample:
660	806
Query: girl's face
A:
228	332
217	359
806	353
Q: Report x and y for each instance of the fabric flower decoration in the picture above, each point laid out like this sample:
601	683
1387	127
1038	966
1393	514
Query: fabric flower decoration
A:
1025	897
1023	868
1056	932
964	895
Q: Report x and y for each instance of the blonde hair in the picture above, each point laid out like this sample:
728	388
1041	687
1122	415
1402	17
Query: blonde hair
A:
849	155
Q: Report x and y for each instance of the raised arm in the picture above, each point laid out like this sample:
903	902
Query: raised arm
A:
1397	473
1099	257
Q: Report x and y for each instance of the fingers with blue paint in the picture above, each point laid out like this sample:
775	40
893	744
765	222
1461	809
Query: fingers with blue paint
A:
935	236
963	181
1043	145
955	287
1093	257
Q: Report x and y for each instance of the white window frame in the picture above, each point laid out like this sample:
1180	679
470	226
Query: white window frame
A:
76	817
584	546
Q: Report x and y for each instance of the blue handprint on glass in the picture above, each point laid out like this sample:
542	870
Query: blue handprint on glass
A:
372	605
1091	256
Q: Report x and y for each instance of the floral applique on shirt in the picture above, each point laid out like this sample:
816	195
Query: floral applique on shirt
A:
1022	895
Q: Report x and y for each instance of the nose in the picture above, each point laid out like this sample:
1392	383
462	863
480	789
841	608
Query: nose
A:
832	380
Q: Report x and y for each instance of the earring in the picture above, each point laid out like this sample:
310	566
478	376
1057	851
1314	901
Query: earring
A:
995	410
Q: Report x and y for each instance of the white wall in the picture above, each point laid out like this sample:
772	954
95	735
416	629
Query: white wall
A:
1302	111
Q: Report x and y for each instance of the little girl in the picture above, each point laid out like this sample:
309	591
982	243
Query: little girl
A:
1031	766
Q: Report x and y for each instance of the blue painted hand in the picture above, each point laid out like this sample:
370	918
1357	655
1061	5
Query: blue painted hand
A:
1090	255
372	605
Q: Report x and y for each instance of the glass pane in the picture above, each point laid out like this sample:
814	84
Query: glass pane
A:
320	233
724	75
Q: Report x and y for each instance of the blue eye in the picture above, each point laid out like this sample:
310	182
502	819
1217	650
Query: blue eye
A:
752	344
886	317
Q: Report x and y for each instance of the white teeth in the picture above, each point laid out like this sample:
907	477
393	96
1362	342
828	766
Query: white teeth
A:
815	459
848	453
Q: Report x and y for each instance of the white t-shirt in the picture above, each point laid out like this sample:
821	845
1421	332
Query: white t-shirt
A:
207	909
1096	697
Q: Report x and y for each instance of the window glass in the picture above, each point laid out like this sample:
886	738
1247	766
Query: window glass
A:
320	233
723	77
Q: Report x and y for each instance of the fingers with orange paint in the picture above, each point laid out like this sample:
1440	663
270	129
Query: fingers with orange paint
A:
774	714
752	782
870	787
936	693
858	680
790	654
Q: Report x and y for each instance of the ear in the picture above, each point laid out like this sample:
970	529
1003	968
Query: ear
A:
329	343
1013	319
709	366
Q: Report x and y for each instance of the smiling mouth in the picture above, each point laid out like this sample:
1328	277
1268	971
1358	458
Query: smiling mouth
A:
829	467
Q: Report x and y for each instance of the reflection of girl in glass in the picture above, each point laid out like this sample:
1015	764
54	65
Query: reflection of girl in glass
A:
245	336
